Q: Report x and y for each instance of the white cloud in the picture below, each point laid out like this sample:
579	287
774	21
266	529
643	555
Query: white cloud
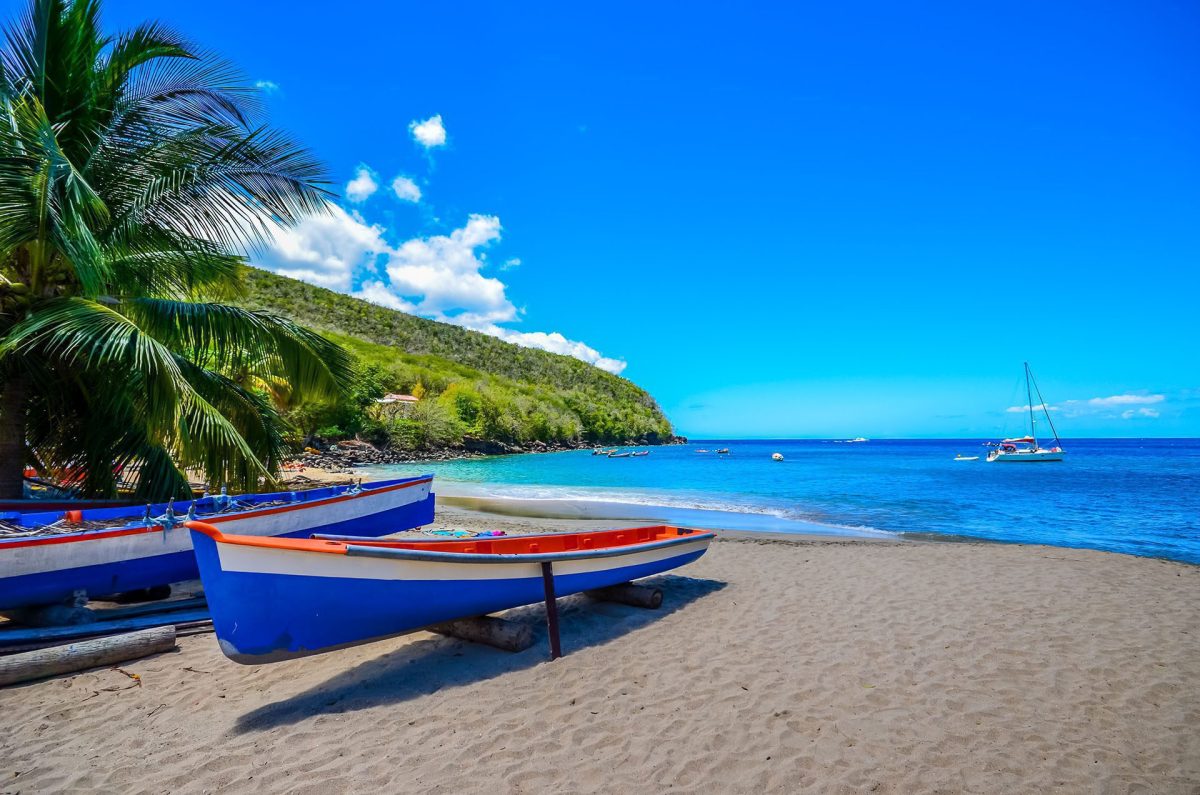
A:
363	185
440	276
429	133
442	273
406	190
437	276
510	263
557	343
1101	406
1125	400
377	293
324	249
267	86
1025	409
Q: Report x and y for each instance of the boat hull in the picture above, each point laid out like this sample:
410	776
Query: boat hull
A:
45	570
276	604
1025	458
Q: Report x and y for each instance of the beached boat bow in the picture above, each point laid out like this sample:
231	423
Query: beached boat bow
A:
276	599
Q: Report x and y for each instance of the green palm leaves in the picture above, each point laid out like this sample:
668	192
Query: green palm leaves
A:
133	179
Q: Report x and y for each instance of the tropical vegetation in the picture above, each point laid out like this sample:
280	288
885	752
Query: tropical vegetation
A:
135	171
473	388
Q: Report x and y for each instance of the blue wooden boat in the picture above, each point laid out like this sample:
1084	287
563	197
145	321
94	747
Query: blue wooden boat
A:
43	560
279	598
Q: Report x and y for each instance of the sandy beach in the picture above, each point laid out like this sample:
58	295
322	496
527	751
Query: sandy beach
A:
774	665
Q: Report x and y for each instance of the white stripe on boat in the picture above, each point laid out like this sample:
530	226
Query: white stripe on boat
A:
266	560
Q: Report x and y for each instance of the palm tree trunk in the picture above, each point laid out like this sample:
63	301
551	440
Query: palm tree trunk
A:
13	392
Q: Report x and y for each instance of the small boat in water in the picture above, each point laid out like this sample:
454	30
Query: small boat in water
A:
723	451
599	451
615	454
1027	449
639	453
966	458
280	598
776	456
58	556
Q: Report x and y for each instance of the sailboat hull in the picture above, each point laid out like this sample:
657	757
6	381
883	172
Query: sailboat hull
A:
1026	457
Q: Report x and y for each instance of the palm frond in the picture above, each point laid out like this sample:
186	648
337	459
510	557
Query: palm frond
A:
231	338
74	333
250	414
134	176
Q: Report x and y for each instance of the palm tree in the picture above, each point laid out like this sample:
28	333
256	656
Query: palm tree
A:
134	178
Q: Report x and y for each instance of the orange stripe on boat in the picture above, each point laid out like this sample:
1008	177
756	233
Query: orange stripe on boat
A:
510	545
298	544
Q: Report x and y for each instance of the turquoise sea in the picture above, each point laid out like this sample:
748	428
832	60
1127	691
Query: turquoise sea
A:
1139	496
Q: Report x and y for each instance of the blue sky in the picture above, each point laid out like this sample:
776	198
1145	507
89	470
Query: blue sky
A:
825	219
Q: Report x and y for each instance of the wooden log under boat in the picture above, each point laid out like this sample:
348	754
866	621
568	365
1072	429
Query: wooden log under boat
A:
85	654
628	593
490	631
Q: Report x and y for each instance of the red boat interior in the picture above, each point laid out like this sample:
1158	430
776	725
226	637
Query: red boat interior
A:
504	545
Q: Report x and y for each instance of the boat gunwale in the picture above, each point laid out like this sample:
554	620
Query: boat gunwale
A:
433	556
685	535
375	542
139	528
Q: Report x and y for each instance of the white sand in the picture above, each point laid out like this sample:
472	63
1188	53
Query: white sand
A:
772	666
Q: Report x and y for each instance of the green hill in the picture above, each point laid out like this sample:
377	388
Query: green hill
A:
473	386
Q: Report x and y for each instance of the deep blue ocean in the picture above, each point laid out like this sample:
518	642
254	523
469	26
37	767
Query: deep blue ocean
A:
1139	496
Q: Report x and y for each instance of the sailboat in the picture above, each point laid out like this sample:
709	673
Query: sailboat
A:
1027	449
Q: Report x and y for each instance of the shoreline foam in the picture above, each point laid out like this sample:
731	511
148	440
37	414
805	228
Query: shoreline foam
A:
705	518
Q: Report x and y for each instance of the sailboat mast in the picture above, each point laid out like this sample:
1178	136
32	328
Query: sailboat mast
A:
1029	395
1042	401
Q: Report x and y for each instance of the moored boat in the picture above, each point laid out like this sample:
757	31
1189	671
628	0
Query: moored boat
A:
280	598
1023	450
615	454
1027	449
57	556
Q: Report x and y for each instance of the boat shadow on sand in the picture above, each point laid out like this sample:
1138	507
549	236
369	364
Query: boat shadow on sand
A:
432	664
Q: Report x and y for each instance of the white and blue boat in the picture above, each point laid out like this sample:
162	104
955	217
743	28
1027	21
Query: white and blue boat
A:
43	561
279	598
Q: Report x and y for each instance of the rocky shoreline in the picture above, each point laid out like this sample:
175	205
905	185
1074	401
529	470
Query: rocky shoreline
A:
345	456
